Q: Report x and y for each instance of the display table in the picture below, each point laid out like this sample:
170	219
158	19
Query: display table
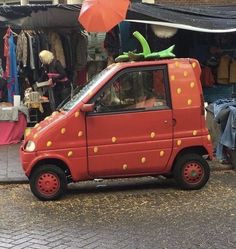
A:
13	121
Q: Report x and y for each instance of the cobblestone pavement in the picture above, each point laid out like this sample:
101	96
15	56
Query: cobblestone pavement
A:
133	214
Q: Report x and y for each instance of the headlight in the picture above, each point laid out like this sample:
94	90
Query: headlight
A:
30	146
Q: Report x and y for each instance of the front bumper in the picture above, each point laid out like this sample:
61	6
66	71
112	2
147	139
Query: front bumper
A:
27	159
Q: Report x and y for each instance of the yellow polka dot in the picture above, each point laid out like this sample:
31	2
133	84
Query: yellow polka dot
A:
209	137
125	166
38	128
194	64
172	77
90	93
177	64
162	153
63	130
35	135
194	132
27	132
37	125
70	153
189	101
49	143
113	139
47	118
95	149
54	114
192	84
153	134
80	134
179	142
179	90
143	159
185	73
77	114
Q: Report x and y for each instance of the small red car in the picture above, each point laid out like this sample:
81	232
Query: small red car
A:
132	119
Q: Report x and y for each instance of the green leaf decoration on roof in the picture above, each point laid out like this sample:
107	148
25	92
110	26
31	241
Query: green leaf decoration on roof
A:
143	42
146	54
167	53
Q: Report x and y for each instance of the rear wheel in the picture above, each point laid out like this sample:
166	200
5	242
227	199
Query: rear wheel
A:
48	182
191	171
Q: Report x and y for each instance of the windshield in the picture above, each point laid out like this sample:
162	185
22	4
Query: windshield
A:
90	86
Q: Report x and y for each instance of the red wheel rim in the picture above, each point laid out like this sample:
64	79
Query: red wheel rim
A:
48	184
193	173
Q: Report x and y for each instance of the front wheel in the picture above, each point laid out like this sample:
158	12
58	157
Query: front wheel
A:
48	182
191	171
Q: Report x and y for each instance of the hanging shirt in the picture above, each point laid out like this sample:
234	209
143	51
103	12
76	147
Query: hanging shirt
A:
6	53
13	87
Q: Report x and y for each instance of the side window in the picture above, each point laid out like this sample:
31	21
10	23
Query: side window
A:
141	89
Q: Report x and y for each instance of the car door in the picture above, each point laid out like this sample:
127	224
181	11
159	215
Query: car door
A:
130	132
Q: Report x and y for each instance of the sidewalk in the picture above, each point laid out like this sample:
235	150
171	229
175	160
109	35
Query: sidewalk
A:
11	170
10	165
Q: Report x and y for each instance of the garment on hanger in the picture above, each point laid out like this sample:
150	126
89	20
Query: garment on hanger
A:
56	47
223	70
232	76
6	52
30	48
13	87
21	49
207	78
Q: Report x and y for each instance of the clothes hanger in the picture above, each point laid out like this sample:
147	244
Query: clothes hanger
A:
11	31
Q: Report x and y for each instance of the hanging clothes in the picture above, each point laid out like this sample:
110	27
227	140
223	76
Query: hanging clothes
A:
21	49
223	70
207	77
56	47
6	52
13	87
232	76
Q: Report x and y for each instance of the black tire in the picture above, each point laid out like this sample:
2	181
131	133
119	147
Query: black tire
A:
191	172
48	182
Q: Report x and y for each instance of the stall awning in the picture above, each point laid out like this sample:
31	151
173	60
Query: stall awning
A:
40	16
204	18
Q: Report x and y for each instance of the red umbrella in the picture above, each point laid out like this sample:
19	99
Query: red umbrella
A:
102	15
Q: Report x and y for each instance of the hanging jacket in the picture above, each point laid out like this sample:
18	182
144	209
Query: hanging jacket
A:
57	48
21	49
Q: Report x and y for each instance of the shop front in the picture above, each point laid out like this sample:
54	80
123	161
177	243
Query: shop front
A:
207	33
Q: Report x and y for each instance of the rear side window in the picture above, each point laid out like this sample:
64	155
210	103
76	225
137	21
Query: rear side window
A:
136	89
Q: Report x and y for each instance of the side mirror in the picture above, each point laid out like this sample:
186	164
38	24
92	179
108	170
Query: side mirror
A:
87	107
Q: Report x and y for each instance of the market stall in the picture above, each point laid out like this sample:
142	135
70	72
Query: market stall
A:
203	32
